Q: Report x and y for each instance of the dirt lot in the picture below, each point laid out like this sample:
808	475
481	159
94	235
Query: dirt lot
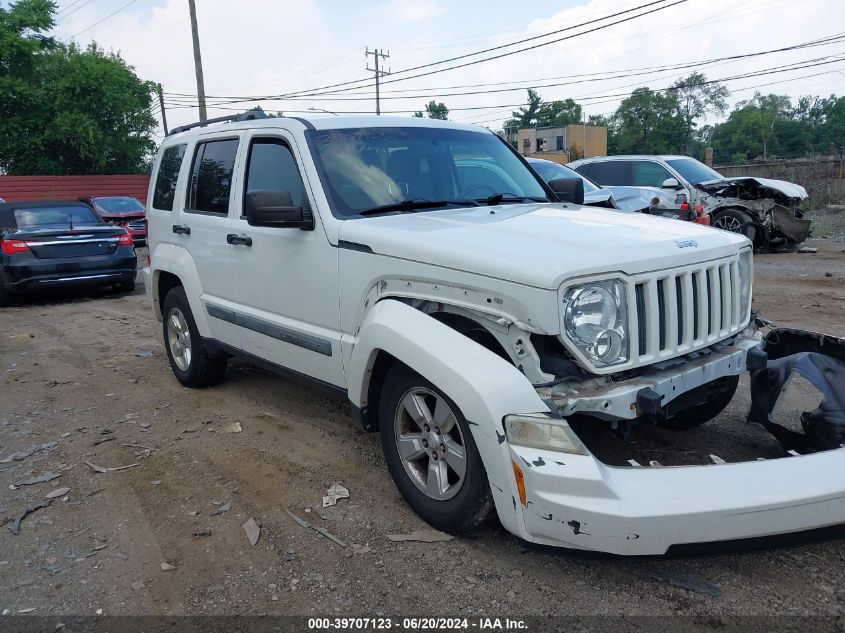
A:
79	372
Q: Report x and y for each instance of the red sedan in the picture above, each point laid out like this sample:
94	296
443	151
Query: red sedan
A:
124	211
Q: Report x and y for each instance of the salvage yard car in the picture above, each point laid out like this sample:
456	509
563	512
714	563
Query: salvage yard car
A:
124	211
61	244
766	211
649	200
468	324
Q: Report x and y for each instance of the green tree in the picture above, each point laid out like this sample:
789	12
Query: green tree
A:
435	110
559	113
526	116
696	99
764	127
64	110
647	122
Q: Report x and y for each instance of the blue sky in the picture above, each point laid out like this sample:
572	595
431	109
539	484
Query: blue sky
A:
269	47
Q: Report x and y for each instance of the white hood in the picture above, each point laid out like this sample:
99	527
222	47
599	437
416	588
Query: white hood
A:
788	189
540	245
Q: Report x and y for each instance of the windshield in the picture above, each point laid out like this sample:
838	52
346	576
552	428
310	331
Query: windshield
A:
119	204
365	168
549	170
693	171
55	217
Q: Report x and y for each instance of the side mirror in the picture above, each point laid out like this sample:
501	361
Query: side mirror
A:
275	208
568	189
671	183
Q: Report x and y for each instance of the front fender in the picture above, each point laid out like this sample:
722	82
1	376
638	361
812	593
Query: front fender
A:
483	385
176	260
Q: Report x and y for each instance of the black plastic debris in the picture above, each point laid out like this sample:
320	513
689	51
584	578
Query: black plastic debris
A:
820	360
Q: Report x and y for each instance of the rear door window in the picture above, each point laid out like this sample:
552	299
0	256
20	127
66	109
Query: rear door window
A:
611	172
211	177
168	174
645	173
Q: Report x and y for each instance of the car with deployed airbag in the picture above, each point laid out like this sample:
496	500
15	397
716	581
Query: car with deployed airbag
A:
422	272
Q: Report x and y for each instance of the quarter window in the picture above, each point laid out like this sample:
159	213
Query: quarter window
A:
273	168
168	174
211	176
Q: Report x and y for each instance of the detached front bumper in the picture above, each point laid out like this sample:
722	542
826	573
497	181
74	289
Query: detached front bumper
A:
575	501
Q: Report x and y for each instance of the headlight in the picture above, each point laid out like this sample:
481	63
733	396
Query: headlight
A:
745	276
595	317
541	431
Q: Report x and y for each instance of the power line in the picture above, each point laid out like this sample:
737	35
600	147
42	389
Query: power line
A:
479	61
614	97
110	15
827	40
69	13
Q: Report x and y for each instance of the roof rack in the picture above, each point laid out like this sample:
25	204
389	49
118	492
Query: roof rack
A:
249	115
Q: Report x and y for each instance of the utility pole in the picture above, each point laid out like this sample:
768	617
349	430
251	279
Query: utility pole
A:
198	61
161	104
377	54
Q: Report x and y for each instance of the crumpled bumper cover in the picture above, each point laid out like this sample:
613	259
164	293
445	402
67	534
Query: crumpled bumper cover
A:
575	501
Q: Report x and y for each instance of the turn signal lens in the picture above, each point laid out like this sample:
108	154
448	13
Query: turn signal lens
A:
520	484
10	247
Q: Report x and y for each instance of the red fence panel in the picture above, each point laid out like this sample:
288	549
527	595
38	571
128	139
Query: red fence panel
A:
23	188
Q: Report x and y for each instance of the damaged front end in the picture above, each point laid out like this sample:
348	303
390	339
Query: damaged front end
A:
678	496
768	211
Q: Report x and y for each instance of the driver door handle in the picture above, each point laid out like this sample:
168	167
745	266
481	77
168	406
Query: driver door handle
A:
181	229
238	240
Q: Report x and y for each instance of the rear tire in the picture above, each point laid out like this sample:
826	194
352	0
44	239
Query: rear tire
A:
190	359
722	391
735	221
439	472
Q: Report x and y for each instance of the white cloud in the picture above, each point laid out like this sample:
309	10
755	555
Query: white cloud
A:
268	47
410	11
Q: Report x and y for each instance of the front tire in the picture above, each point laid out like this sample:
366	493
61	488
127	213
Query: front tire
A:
719	394
191	361
431	454
735	221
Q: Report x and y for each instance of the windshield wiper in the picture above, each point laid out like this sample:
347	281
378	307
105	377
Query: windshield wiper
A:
504	196
413	205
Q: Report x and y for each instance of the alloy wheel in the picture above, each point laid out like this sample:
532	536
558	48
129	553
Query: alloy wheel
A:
430	443
179	339
728	223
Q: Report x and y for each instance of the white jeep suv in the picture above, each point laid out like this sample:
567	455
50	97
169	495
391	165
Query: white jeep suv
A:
421	270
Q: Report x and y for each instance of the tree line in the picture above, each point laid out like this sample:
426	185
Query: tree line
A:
672	121
66	109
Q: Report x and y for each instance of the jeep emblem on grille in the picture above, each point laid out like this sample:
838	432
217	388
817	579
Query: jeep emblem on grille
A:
685	243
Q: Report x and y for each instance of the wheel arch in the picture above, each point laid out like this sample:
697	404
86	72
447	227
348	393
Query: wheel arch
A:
173	266
484	386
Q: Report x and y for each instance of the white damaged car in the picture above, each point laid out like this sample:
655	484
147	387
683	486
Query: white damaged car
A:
422	271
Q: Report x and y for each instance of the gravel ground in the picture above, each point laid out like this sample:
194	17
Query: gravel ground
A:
90	375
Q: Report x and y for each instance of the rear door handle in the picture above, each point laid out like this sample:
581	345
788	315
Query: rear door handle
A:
242	240
182	229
